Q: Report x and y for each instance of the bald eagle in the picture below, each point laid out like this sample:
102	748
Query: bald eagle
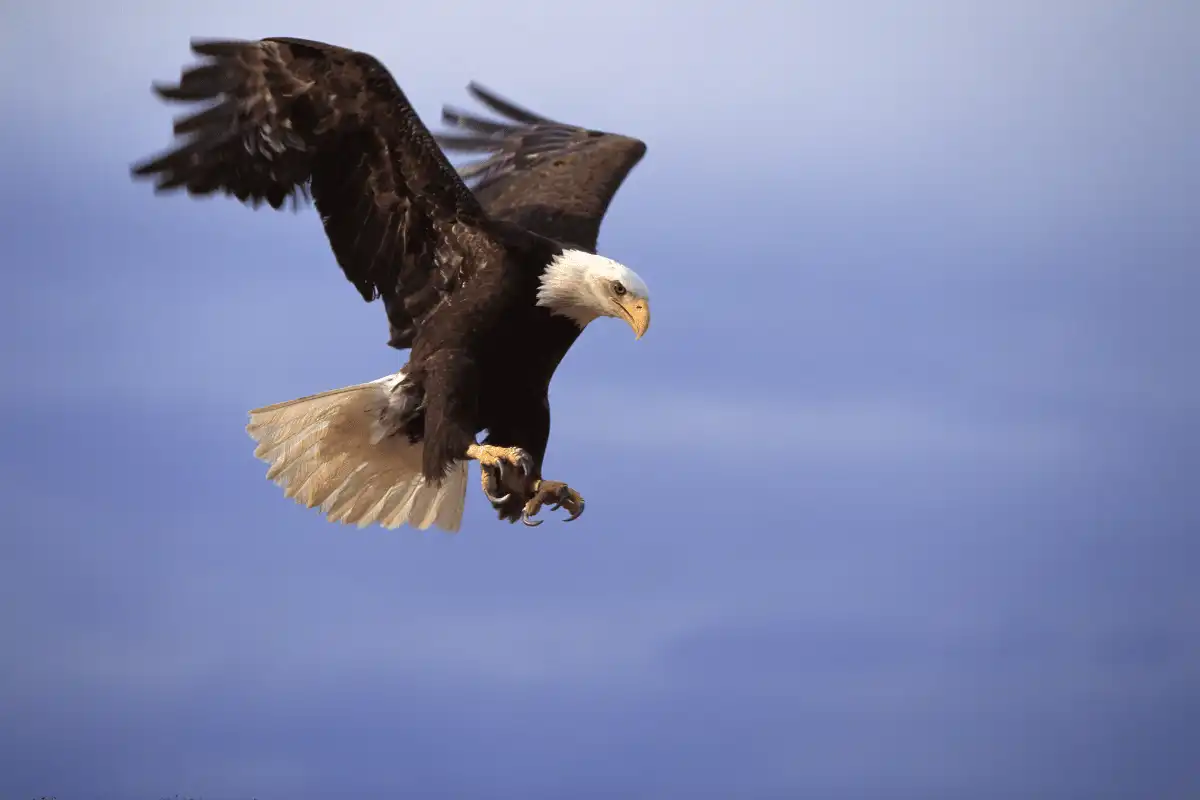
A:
487	285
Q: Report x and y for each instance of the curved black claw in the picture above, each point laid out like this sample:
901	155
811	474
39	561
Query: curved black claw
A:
559	495
577	513
490	479
532	523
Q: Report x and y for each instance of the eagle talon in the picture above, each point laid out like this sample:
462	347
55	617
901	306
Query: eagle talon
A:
577	513
494	463
559	495
490	479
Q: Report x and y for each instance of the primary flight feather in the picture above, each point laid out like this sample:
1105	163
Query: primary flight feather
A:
488	285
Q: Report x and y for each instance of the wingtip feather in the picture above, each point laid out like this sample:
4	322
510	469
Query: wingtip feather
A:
218	47
503	106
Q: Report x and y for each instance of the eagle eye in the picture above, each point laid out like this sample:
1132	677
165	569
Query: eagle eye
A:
619	288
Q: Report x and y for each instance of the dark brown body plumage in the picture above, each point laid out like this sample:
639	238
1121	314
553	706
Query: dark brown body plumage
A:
456	269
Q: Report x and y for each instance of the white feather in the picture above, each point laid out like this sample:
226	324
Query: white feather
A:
340	450
571	285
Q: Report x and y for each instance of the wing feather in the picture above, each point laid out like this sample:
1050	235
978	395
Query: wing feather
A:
553	178
288	117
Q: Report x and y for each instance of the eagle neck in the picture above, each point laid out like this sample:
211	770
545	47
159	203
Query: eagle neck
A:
564	288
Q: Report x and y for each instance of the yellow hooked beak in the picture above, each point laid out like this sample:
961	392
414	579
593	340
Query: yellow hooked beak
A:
637	314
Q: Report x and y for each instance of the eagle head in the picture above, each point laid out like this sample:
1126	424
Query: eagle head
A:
584	286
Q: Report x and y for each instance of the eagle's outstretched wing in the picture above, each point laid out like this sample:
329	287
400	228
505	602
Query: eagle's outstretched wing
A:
552	178
292	117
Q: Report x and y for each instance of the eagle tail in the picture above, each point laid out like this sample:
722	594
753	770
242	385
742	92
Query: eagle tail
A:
343	451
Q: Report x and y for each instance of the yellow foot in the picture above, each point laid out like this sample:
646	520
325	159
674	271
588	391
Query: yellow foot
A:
494	463
556	492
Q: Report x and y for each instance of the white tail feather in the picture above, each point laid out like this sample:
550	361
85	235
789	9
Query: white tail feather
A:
336	450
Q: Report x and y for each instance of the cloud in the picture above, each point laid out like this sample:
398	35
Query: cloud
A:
853	92
577	648
843	430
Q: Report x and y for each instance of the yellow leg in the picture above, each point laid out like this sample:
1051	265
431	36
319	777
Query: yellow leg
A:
501	458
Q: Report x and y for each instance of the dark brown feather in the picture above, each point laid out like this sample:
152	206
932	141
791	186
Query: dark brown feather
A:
552	178
286	117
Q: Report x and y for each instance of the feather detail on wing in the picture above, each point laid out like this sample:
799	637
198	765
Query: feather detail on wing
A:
290	116
554	178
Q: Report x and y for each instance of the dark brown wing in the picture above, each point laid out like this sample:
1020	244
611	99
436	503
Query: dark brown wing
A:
291	116
552	178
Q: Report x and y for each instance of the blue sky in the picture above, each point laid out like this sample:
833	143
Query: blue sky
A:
894	501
